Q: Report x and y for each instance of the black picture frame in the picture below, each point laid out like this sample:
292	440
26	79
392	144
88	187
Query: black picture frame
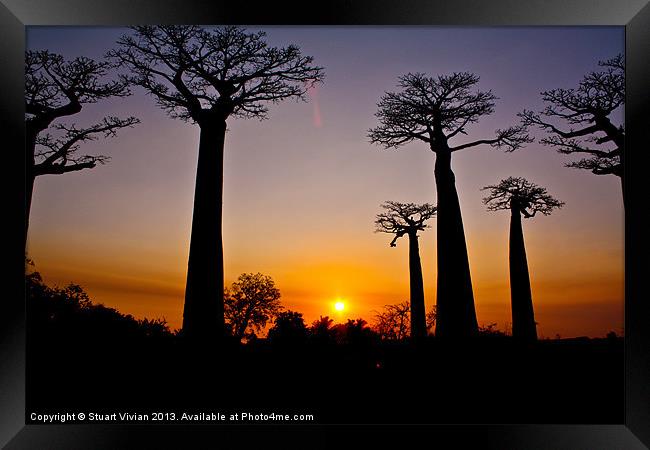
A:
634	433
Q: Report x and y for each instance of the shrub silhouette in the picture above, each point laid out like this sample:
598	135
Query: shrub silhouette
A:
289	327
354	333
391	323
69	314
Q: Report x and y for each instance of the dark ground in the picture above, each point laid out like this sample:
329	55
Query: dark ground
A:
87	358
483	381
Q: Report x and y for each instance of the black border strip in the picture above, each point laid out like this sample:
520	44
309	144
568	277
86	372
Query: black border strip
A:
634	14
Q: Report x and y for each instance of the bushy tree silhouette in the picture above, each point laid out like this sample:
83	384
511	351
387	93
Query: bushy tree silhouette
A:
320	331
407	219
56	89
289	327
521	197
354	333
250	303
435	110
68	314
206	76
586	110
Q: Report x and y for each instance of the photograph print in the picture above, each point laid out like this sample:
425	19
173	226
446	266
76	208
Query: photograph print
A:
293	224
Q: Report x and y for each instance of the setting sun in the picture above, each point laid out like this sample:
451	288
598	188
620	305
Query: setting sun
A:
339	306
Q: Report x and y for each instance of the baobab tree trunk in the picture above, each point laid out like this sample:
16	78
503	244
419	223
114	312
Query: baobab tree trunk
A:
455	299
418	319
203	312
523	319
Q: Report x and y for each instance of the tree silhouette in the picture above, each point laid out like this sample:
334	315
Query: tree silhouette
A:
54	90
435	110
205	76
320	330
354	333
430	318
69	313
392	322
289	327
251	302
586	111
521	197
407	219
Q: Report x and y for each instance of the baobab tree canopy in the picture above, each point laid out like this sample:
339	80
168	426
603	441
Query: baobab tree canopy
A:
403	218
55	89
436	109
191	70
586	111
530	198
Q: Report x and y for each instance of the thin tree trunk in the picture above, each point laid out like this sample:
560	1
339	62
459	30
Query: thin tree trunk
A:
203	313
523	319
418	320
456	314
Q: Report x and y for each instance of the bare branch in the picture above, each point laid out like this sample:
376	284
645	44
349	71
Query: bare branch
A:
59	155
588	107
403	218
56	88
511	139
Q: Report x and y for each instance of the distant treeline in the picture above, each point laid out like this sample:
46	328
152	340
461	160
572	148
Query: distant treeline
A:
69	313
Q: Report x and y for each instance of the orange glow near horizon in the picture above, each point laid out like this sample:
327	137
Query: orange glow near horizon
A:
301	189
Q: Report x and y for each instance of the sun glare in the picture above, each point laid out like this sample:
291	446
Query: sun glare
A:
339	306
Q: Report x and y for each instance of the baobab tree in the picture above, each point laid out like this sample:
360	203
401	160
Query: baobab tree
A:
437	110
526	199
408	219
206	76
587	112
55	89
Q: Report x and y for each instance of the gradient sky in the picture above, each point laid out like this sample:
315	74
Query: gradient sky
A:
302	188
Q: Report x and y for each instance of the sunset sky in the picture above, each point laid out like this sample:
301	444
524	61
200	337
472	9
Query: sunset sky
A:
302	188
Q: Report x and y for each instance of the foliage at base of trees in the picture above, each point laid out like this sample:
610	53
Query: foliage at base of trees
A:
289	326
69	313
392	323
